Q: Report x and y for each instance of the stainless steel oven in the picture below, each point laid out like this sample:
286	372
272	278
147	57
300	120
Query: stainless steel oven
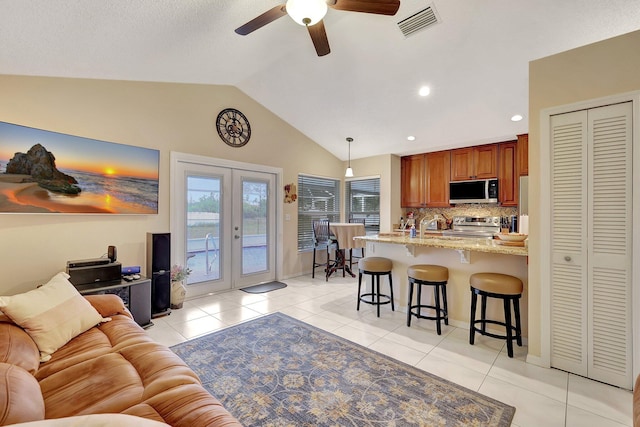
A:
474	227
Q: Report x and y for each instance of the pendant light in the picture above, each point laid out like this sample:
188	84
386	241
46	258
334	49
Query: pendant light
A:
349	172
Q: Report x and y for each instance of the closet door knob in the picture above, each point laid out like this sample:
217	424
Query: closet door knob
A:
567	258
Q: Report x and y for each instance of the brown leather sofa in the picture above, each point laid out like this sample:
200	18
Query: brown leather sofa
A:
636	403
111	368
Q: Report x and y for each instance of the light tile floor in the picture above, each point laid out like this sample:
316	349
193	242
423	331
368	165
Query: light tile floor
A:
542	397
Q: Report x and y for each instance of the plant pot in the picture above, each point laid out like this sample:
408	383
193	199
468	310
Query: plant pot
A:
178	294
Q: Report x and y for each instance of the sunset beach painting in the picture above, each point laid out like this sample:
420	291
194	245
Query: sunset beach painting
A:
48	172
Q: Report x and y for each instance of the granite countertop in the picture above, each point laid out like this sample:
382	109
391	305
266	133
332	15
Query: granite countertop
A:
447	242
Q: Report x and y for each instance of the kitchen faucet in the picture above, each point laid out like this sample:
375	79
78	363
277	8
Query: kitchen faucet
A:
422	222
432	224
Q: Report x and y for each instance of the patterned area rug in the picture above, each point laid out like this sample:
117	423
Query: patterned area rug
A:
279	371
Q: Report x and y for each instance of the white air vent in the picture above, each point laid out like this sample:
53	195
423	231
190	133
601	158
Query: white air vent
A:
419	21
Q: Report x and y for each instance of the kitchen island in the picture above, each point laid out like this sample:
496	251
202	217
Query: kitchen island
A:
437	240
462	257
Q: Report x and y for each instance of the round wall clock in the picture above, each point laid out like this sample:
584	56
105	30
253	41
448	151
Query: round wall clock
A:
233	127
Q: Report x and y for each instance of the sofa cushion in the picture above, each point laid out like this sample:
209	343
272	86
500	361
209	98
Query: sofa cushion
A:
108	305
17	348
107	338
108	383
20	398
96	420
52	314
636	403
191	405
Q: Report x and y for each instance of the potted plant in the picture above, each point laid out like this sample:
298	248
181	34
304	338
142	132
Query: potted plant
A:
179	275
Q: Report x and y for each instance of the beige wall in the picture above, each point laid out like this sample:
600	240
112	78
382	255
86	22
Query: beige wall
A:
387	167
168	117
601	69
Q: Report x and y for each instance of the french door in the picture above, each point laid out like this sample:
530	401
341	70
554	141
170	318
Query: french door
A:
224	225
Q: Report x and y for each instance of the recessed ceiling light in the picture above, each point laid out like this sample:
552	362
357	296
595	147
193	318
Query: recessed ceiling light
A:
516	118
411	138
424	91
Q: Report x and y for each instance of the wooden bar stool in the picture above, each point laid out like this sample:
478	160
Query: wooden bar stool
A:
508	289
376	267
429	275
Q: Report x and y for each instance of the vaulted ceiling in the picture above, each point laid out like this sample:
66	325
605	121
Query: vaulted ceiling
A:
475	60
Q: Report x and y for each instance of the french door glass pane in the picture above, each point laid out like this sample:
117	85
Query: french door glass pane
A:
254	226
203	228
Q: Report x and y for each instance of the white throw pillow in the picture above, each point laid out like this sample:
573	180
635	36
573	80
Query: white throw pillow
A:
52	314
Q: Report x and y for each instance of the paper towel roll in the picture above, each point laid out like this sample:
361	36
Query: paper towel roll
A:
523	224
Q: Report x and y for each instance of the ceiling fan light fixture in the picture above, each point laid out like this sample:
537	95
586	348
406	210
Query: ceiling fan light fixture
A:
306	12
424	91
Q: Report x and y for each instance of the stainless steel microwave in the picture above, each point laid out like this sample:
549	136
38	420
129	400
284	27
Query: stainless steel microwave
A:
473	191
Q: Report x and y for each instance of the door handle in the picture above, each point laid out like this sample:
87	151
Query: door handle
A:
236	236
567	258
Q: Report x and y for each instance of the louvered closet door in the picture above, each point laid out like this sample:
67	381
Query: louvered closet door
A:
609	244
591	243
568	249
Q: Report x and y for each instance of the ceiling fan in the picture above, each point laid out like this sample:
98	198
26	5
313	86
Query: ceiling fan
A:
310	13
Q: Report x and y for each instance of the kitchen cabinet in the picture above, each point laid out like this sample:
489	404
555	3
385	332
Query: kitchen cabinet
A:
413	181
507	174
425	180
437	178
523	154
479	162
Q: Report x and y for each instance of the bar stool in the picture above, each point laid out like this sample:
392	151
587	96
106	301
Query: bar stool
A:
508	289
429	275
376	267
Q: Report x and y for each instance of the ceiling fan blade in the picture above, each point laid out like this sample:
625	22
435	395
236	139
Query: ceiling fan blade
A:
262	20
319	38
381	7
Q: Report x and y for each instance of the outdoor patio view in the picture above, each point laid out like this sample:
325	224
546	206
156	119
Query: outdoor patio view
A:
204	235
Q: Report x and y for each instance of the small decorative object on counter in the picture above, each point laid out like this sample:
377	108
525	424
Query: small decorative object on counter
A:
504	224
412	231
513	225
523	224
178	290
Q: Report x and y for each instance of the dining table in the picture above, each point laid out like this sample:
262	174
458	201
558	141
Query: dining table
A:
344	233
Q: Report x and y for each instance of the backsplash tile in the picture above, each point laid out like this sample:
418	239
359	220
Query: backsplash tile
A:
474	209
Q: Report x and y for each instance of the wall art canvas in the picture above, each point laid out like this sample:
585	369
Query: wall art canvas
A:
48	172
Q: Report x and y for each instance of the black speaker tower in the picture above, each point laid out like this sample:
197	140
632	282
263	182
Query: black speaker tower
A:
159	271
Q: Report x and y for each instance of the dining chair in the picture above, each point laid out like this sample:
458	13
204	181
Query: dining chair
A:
356	221
321	240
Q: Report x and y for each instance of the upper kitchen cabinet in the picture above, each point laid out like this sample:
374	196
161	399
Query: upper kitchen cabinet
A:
523	154
480	162
508	176
425	180
438	173
413	181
